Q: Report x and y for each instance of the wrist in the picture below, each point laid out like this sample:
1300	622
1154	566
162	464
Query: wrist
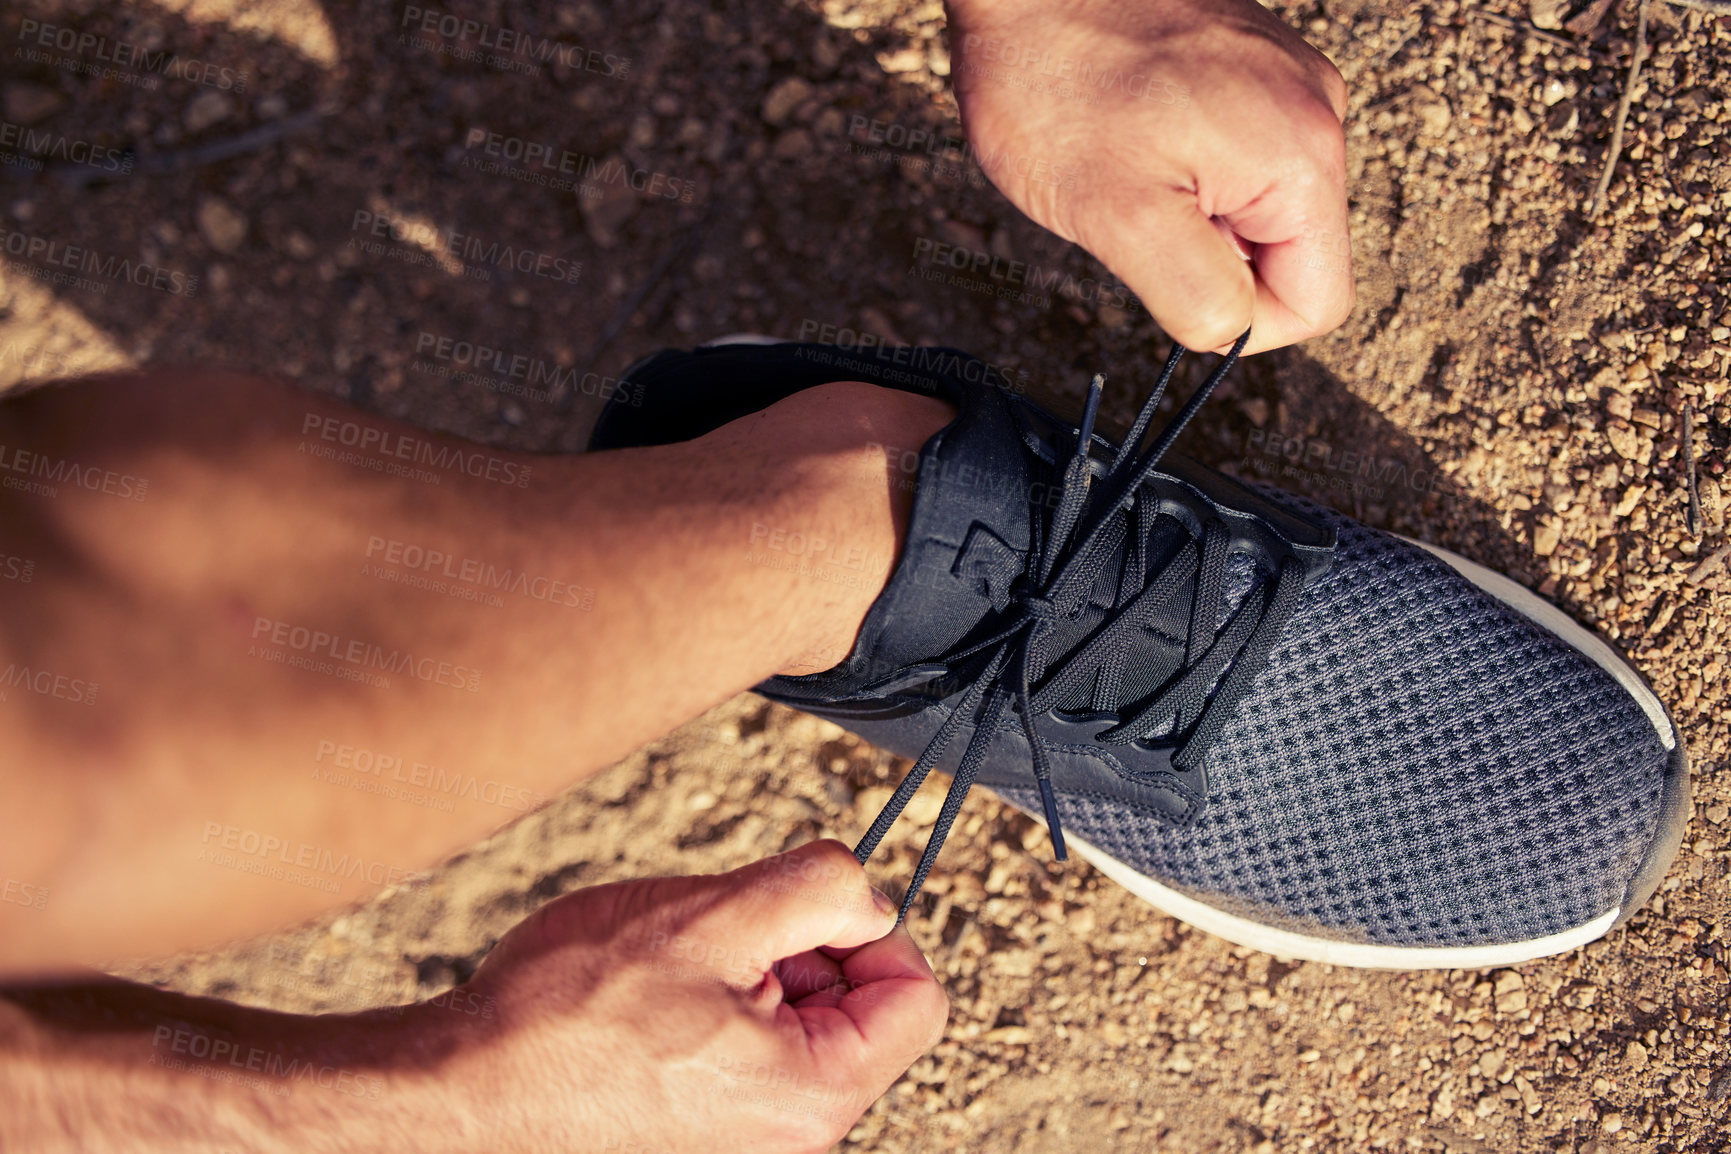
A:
420	1087
362	1082
110	1065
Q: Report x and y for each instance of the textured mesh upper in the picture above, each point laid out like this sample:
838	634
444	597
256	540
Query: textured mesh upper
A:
1417	764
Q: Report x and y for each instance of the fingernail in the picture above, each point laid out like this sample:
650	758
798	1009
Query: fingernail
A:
882	901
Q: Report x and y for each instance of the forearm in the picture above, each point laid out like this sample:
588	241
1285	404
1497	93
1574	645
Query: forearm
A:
112	1066
284	716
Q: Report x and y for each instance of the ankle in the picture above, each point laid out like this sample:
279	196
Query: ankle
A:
842	517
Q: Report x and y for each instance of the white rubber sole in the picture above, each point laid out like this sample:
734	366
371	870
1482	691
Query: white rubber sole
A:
1290	944
1287	944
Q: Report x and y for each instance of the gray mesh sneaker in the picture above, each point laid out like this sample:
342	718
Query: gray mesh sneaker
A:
1299	733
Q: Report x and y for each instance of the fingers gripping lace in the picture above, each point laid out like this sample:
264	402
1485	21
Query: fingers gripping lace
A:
1055	586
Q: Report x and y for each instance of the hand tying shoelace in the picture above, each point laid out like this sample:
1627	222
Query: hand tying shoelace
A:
1053	584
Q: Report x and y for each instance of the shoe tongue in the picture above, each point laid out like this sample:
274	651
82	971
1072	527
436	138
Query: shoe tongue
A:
1151	653
970	529
969	537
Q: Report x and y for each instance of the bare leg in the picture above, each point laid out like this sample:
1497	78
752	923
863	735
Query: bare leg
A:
239	686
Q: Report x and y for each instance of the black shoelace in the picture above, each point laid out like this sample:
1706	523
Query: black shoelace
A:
1055	586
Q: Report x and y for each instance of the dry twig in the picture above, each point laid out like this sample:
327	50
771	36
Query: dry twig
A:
211	152
1710	566
1587	21
1716	7
1524	29
1661	616
1691	518
955	951
1616	151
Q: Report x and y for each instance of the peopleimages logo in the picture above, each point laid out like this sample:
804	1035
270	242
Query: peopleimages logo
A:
921	359
43	360
47	472
1273	454
785	1090
18	893
1021	278
363	655
527	376
561	169
47	683
124	54
370	768
1065	76
250	843
225	1060
469	571
945	146
42	144
909	467
403	447
466	247
503	47
56	254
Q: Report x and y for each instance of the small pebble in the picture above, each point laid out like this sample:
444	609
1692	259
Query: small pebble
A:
29	103
222	225
784	98
207	108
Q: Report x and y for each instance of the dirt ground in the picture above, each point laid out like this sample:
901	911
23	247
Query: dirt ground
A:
1513	385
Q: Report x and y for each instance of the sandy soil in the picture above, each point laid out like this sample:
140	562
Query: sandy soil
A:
1517	374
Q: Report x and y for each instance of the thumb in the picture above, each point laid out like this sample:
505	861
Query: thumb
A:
1196	282
816	895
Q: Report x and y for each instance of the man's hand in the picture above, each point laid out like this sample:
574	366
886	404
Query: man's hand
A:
762	1010
1153	133
759	1012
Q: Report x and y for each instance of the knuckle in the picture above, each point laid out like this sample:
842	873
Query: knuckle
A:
935	1011
841	1118
1326	75
1334	86
1321	163
1331	156
672	914
814	1125
1332	317
1202	334
1318	135
829	1131
834	862
1337	316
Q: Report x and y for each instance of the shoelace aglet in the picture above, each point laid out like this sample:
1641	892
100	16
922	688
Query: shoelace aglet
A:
1049	802
1078	475
1090	409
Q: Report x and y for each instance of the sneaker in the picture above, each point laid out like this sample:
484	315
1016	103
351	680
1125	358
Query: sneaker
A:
1302	734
